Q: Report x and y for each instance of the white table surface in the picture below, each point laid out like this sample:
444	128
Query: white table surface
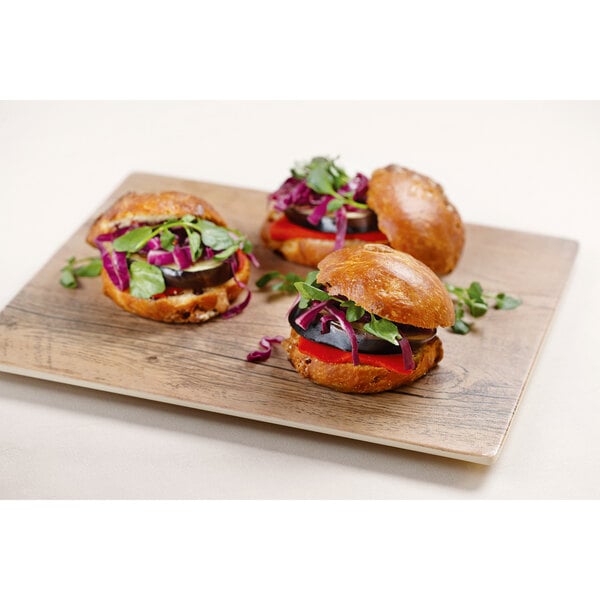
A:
527	166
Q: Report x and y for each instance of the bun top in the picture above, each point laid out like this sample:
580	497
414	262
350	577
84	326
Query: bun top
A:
417	217
388	283
151	208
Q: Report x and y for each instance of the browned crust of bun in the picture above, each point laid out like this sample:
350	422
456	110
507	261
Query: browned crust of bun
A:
417	217
303	251
389	284
362	379
185	308
151	208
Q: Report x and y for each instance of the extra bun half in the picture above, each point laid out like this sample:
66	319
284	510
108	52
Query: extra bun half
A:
417	217
389	284
151	208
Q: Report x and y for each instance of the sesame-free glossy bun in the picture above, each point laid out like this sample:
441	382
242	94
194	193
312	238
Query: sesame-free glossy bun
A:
361	379
186	307
417	217
151	208
389	284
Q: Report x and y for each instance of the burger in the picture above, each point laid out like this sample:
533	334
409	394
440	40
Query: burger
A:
320	208
170	257
366	321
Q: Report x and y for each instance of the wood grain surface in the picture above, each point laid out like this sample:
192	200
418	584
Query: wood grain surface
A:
462	409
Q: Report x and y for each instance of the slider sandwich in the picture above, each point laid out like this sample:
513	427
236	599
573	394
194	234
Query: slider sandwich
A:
320	208
170	257
366	321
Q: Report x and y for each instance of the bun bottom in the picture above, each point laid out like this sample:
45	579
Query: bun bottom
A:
303	251
362	379
184	308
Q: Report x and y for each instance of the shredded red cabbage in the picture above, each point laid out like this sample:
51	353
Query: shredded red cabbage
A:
407	356
114	263
347	327
359	185
293	191
267	344
153	244
182	255
325	323
333	313
309	315
253	259
341	223
238	308
319	211
159	257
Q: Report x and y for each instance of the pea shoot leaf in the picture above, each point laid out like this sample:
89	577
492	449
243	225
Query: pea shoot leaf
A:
311	292
218	238
383	329
504	302
85	267
67	278
133	240
353	311
167	240
146	280
279	282
476	302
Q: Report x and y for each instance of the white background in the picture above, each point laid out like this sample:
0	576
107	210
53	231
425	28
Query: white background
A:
522	165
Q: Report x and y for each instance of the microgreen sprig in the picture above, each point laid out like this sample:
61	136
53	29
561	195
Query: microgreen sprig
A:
323	176
474	301
199	233
82	267
279	282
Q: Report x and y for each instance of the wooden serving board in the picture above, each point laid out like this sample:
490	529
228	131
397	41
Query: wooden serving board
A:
462	409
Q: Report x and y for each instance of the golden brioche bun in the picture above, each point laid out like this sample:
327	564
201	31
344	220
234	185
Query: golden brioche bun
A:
417	217
151	208
303	251
389	284
156	208
361	379
184	308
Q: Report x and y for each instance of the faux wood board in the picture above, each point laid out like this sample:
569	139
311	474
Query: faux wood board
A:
462	409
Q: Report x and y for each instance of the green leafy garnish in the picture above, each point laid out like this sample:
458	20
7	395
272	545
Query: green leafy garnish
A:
384	329
75	268
310	292
134	240
146	280
323	176
279	282
476	302
199	233
167	240
504	302
218	238
353	311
